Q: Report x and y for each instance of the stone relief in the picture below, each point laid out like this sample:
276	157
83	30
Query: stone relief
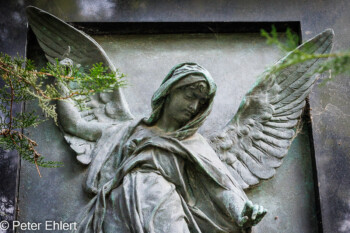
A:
158	174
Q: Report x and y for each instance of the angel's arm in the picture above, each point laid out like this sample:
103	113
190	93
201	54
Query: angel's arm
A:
71	119
72	122
243	211
62	41
233	201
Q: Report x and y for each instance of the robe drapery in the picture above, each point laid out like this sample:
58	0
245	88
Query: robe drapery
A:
149	181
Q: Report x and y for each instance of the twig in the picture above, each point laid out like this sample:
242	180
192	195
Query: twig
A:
37	167
308	57
31	144
11	103
33	72
38	90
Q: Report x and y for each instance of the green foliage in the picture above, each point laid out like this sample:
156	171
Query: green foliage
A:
23	83
273	38
337	63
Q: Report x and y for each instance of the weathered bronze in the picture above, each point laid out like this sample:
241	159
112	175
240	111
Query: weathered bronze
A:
158	174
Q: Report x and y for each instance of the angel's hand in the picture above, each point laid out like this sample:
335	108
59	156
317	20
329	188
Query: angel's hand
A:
251	215
65	63
68	64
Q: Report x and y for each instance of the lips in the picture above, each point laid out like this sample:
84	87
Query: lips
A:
188	113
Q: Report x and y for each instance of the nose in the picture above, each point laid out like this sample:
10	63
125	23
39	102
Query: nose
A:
193	105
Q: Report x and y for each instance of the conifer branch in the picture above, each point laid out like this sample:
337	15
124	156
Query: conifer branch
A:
24	83
335	63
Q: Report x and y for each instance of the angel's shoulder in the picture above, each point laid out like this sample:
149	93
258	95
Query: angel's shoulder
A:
195	137
200	137
199	141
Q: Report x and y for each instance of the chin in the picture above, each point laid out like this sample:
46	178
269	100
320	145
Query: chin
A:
184	120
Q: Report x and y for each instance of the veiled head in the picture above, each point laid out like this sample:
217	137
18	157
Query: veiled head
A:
185	100
184	79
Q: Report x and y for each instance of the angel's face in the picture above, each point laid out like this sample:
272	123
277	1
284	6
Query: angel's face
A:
185	102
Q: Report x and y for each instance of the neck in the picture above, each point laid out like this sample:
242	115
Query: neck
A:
167	124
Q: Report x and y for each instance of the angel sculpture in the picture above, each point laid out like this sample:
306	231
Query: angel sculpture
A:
158	174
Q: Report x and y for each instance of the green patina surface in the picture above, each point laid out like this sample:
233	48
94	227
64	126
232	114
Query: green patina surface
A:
234	61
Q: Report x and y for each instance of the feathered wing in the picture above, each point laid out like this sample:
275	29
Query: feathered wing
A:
61	40
255	141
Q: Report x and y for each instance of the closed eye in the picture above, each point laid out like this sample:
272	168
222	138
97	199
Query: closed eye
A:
189	95
202	101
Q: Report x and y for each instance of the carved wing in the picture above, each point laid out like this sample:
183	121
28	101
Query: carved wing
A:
254	142
61	40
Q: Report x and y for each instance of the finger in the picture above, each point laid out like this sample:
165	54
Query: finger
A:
86	113
255	211
89	103
89	117
249	204
264	212
260	217
248	209
261	209
243	220
62	88
92	103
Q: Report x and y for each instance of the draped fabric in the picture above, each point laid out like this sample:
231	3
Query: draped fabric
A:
148	181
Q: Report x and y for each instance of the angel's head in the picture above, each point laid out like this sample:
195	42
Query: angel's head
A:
184	100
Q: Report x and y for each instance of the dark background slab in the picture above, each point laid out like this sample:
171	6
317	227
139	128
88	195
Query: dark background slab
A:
329	104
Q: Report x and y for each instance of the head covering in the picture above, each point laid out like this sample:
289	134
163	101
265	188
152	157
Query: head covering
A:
177	73
188	81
